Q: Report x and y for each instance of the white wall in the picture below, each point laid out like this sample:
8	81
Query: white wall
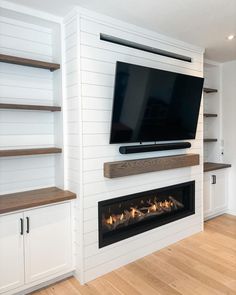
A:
90	101
228	126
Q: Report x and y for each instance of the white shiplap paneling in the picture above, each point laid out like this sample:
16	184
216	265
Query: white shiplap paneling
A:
95	77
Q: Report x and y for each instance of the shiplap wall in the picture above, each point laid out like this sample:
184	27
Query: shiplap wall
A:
72	143
92	104
26	85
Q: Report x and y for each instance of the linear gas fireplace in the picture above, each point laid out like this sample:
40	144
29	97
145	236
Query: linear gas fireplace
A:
130	215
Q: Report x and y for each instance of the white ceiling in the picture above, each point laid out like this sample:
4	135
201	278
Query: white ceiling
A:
205	23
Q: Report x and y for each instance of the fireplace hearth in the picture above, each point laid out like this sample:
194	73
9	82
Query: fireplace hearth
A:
130	215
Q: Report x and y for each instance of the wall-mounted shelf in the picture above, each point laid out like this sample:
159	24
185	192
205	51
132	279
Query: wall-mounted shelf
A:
209	90
209	166
8	106
208	115
133	167
29	62
33	198
210	139
30	152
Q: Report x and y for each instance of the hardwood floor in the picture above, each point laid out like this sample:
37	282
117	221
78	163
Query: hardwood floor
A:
202	264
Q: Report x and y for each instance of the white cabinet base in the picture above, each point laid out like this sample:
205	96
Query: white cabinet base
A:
215	193
35	248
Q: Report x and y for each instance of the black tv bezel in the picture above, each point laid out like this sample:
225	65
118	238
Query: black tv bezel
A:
151	140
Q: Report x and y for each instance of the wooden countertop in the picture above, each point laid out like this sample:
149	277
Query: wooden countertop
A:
209	166
34	198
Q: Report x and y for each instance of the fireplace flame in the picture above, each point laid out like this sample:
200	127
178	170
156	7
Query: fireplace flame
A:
154	208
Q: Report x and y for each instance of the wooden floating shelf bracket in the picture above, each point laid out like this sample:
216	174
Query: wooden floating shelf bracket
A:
139	166
29	62
29	152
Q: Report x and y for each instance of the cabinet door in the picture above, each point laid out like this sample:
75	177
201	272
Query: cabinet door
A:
47	241
207	194
11	252
219	191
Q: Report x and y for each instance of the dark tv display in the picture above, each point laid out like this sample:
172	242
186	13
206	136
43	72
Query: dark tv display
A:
154	105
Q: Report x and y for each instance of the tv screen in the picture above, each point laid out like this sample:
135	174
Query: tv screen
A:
154	105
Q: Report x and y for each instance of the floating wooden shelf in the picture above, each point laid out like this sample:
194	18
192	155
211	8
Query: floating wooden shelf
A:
29	152
29	107
209	166
210	115
33	198
29	62
133	167
210	90
210	139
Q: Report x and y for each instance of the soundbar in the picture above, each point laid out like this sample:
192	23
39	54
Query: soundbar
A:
153	147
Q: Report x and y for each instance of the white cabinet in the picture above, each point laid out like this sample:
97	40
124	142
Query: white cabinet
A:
215	193
48	241
11	252
35	245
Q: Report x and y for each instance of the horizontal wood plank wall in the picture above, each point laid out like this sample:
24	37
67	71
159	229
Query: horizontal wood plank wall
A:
72	122
25	85
96	75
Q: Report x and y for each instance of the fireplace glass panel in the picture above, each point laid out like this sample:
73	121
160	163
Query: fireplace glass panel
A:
126	216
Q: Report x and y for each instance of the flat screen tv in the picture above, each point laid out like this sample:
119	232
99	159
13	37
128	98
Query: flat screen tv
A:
154	105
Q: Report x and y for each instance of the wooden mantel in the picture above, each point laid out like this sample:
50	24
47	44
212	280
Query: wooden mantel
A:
139	166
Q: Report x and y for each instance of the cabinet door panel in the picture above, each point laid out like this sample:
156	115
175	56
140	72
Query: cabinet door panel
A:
11	252
220	191
207	195
48	243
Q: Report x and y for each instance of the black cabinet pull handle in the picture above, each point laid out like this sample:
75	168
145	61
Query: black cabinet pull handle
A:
21	226
27	225
213	179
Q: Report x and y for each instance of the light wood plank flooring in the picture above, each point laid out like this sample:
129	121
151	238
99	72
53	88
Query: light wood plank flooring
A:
202	264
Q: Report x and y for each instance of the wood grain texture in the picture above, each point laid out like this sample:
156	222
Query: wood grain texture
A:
209	166
29	152
133	167
199	265
210	90
8	106
29	62
33	198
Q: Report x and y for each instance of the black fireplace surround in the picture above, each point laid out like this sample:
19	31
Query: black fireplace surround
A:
124	217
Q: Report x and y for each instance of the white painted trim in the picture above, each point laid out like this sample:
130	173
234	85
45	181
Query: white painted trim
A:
231	212
215	214
30	11
137	30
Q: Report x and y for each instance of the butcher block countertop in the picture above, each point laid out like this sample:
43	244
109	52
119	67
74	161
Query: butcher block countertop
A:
33	198
209	166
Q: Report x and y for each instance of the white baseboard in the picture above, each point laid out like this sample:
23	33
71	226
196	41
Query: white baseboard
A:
231	212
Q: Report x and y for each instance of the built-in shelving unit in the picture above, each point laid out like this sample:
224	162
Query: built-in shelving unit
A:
30	152
29	62
8	106
33	198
